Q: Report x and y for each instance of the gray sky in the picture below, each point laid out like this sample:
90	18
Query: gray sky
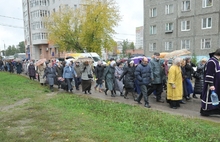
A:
131	11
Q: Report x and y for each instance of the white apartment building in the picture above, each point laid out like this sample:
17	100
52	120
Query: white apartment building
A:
35	34
139	37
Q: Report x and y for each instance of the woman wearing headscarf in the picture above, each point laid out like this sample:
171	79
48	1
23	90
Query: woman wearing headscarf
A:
68	73
31	71
40	70
110	78
199	78
50	73
129	78
19	67
99	70
119	86
86	77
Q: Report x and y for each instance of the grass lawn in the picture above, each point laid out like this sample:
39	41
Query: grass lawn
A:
61	117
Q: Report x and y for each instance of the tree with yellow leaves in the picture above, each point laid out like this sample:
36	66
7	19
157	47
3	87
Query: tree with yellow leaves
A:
90	27
64	29
100	17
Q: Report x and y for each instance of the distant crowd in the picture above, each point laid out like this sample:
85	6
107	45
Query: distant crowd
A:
148	77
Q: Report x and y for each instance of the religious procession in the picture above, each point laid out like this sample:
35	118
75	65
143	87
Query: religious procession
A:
135	78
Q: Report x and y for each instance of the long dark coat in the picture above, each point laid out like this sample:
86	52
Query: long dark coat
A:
99	71
31	71
129	77
109	77
50	73
19	67
199	81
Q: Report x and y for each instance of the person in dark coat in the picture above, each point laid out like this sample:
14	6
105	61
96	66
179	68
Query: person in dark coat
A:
199	78
110	78
59	72
50	73
143	76
11	65
77	78
211	83
189	71
32	71
129	77
184	76
157	76
19	67
99	70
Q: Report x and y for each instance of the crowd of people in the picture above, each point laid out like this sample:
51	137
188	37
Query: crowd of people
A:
150	76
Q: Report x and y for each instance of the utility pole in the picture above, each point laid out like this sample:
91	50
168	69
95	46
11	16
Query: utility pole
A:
29	26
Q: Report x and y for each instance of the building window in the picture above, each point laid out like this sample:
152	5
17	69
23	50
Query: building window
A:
153	12
152	47
206	23
153	29
206	43
185	25
168	46
185	44
169	9
169	27
186	5
207	3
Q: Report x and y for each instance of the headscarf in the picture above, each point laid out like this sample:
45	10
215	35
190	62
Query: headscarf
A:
112	63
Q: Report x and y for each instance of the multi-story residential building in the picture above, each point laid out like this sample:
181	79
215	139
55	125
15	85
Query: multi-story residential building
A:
181	24
139	37
35	33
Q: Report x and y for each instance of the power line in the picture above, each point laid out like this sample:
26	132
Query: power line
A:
6	25
125	34
11	17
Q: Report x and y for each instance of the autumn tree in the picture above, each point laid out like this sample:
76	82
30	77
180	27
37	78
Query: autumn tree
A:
64	29
100	17
89	27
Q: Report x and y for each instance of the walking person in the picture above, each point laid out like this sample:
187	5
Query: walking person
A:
68	73
110	78
189	71
40	70
50	73
199	78
129	77
174	84
59	73
142	74
77	78
119	86
184	76
11	67
211	83
99	71
31	71
157	77
19	67
86	77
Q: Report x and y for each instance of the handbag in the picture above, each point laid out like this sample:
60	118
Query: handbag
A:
90	76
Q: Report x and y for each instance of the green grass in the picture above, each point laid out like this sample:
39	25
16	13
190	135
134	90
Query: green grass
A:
77	118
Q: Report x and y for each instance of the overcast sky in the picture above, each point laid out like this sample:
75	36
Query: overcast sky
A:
11	32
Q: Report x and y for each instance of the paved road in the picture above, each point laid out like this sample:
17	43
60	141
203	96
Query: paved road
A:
190	109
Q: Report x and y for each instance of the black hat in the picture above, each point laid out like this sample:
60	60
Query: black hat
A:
211	54
157	54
